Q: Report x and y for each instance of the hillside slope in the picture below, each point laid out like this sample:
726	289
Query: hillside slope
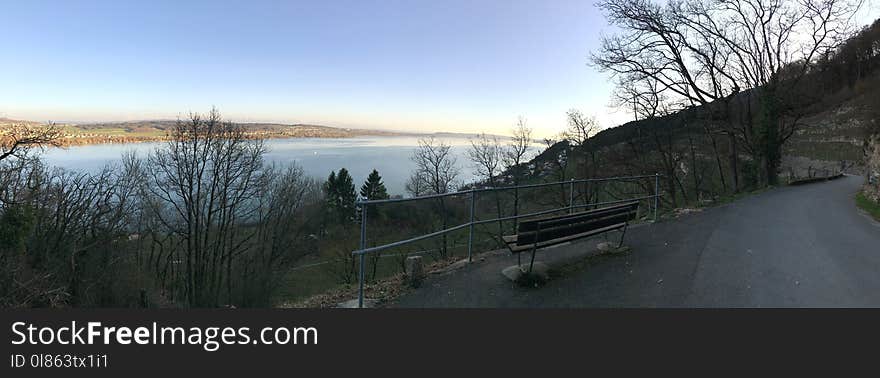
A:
712	151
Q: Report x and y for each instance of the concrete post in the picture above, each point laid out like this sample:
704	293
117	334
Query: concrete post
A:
414	271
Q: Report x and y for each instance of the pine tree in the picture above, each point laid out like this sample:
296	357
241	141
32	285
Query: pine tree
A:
340	195
374	188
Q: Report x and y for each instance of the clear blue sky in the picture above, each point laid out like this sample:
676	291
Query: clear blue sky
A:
445	65
424	65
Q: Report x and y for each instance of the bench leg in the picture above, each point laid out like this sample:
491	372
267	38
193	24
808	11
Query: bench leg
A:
532	263
535	246
622	234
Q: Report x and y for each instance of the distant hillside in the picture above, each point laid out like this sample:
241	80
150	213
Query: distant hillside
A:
832	131
153	130
831	136
157	130
699	160
7	121
294	129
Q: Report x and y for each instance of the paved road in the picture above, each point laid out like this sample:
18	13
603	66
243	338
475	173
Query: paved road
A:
802	246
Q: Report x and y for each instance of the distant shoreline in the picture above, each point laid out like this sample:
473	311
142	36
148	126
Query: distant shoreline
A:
77	141
71	140
158	131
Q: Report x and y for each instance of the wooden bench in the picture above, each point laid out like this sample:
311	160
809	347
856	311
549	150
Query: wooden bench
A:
551	230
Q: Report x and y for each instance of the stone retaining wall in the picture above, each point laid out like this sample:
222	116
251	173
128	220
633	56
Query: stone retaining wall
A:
872	165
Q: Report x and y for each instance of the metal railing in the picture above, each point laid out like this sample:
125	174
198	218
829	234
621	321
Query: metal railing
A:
362	204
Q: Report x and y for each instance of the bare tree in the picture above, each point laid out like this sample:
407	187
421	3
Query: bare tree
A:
559	151
200	219
649	102
18	139
580	129
203	179
517	150
436	164
416	185
697	52
651	61
436	167
643	96
486	154
60	237
516	154
281	236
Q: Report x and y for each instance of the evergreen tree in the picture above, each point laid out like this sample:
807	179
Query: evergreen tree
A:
340	195
374	188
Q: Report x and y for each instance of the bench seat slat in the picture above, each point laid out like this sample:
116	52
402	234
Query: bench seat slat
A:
516	248
551	230
575	227
532	224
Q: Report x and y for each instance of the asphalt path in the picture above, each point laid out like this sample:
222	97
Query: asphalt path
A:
800	246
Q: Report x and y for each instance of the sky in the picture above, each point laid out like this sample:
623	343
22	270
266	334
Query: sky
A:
418	65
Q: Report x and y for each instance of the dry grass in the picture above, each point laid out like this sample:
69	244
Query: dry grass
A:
383	291
869	206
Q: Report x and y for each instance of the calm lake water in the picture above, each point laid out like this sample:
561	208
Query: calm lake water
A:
391	156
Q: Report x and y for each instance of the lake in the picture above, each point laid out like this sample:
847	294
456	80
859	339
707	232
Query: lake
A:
391	156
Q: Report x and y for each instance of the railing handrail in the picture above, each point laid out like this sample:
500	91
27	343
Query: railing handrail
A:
484	221
363	251
497	188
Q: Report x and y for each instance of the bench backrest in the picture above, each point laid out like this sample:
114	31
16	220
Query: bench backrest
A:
569	224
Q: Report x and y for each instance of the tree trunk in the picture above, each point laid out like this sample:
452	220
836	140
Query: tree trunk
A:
694	167
717	160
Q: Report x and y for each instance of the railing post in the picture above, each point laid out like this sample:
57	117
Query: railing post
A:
656	194
471	228
362	257
571	196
